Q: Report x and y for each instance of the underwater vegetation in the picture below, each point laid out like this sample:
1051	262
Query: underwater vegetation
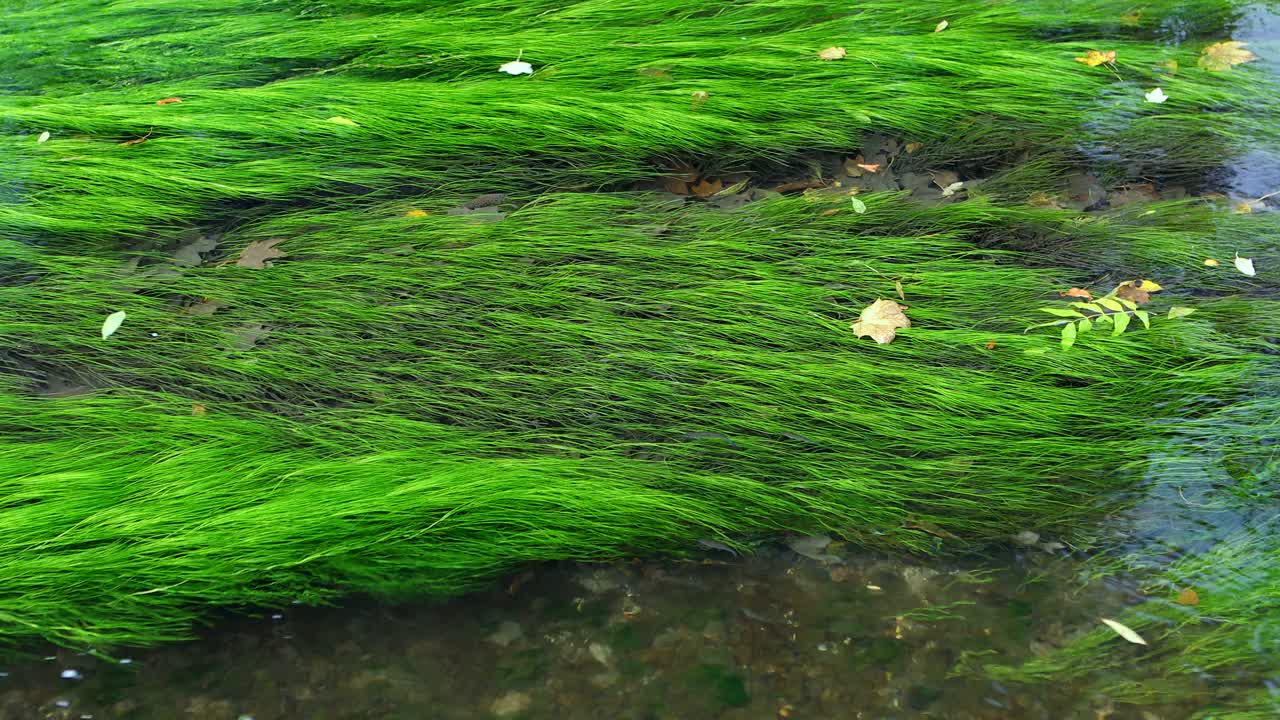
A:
339	372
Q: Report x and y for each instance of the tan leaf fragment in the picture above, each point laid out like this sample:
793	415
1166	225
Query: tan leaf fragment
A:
881	320
197	409
1221	56
1077	293
705	188
1188	596
1210	262
259	253
1139	291
913	146
831	53
699	98
941	26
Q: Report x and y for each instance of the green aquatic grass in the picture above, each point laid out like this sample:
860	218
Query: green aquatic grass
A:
439	399
610	103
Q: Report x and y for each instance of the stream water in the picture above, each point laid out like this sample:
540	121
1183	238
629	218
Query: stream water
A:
776	635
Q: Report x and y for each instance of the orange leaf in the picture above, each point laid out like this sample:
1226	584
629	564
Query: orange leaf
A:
706	188
870	167
416	213
991	345
1139	291
1077	292
1094	58
169	101
1188	597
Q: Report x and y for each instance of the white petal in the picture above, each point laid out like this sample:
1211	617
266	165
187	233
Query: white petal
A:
1245	265
112	323
1156	96
1124	631
43	136
517	67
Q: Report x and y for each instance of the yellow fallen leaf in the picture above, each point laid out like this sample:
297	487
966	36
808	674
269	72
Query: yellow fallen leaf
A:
1242	208
913	146
1094	58
1139	291
112	323
1131	18
1124	631
1188	596
416	213
197	409
1179	311
941	26
337	120
1210	262
1221	56
831	53
1171	65
881	320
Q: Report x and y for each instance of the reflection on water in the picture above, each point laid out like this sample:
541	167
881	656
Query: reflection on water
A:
777	635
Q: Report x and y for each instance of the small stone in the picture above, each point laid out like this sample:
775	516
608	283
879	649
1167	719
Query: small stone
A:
71	674
507	633
601	653
511	703
1026	537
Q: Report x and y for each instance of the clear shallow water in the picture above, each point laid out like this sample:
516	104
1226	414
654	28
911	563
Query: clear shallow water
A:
777	635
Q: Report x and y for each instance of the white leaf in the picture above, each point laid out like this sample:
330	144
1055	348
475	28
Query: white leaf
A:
517	67
1156	96
1123	631
1245	265
112	323
43	136
941	26
858	206
952	189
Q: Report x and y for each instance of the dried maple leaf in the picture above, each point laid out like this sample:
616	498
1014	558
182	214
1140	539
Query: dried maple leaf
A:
168	101
881	320
1094	58
831	53
1138	291
259	253
1221	56
1077	293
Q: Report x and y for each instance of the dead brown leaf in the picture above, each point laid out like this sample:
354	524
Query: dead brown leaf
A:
1221	56
1188	596
705	188
913	146
259	253
197	409
798	185
1077	293
880	320
870	167
991	345
169	101
1094	58
944	178
831	53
